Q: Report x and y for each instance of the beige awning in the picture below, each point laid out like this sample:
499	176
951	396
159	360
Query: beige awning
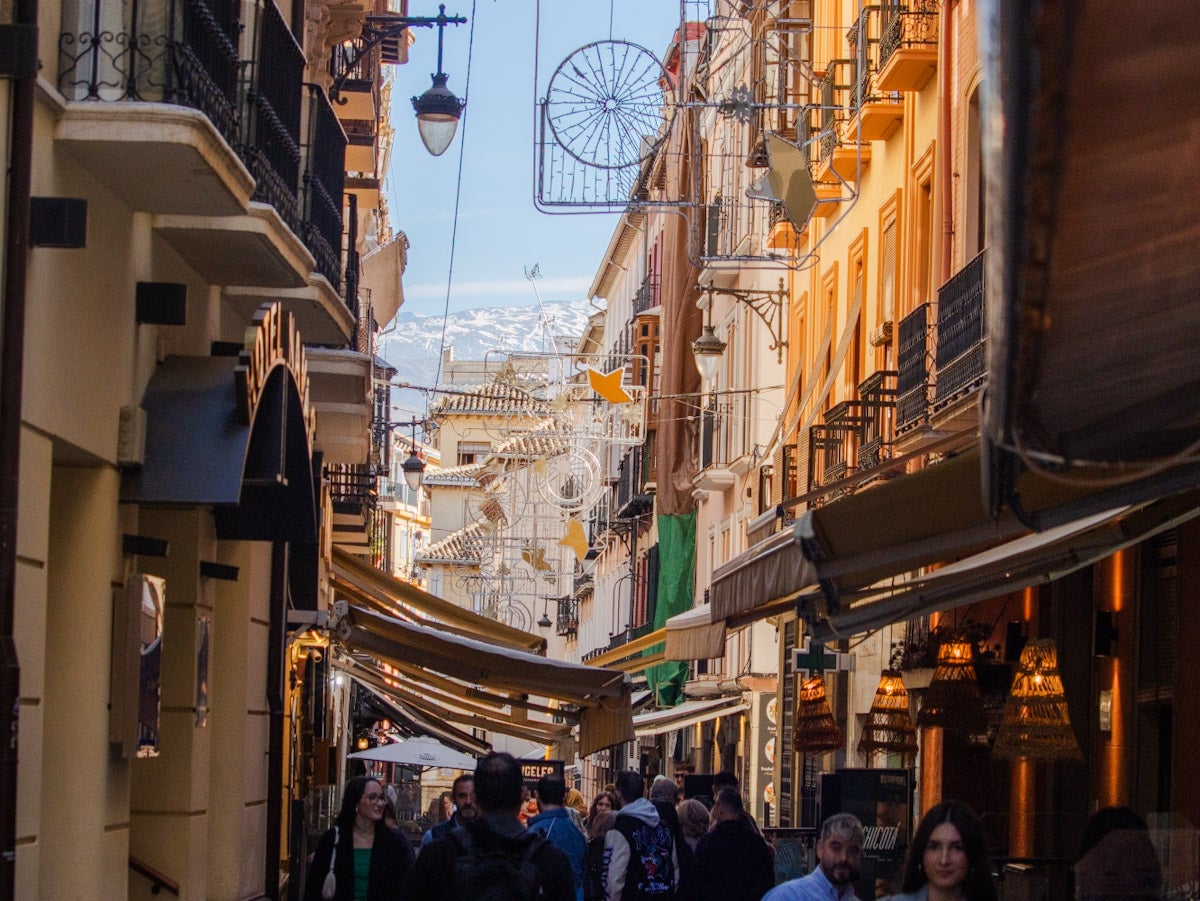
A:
689	713
634	656
694	636
602	694
395	597
432	704
1029	560
931	516
419	721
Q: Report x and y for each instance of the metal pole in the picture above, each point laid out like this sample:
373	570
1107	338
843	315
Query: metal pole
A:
12	365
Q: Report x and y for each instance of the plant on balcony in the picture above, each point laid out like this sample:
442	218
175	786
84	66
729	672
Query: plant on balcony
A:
921	652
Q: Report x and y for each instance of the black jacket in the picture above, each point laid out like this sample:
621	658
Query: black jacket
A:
391	859
733	863
432	876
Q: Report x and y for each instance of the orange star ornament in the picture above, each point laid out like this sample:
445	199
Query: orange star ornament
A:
576	539
608	386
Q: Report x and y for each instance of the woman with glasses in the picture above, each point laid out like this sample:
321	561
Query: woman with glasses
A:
360	858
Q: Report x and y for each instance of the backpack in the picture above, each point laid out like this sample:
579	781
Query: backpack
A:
496	873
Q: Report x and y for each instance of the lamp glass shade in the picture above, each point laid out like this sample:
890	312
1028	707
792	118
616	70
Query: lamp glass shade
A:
438	112
708	350
414	470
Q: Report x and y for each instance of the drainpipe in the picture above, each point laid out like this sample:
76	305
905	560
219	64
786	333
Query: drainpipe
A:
276	649
945	180
12	365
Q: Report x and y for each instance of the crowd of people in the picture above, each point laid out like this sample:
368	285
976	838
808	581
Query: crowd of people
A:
488	841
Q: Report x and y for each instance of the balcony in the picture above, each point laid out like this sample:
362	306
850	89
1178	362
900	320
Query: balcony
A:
566	624
352	495
159	87
631	499
912	378
833	93
833	444
647	297
157	99
877	405
324	183
360	99
961	340
908	45
875	115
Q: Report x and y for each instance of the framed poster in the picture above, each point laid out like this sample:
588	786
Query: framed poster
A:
883	801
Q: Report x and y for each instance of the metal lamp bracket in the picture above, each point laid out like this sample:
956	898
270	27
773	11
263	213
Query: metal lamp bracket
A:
767	306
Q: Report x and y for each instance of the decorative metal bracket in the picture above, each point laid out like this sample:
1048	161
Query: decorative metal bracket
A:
379	28
767	306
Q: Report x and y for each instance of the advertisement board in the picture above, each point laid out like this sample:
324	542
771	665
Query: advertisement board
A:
883	801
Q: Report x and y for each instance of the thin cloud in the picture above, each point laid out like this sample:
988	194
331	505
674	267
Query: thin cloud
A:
549	288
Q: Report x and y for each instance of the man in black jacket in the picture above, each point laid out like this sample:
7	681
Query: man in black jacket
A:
733	862
520	863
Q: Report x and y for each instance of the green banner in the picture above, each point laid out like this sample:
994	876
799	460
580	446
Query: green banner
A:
676	585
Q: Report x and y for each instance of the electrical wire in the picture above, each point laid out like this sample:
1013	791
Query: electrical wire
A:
462	153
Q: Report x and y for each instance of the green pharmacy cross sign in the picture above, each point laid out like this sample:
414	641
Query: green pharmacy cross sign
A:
812	658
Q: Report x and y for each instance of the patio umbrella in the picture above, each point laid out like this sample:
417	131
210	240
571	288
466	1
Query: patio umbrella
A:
421	751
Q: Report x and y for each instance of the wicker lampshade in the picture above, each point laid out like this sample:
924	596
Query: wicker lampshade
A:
889	728
952	700
1036	724
816	729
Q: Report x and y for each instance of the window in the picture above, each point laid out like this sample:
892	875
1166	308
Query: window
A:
976	195
472	452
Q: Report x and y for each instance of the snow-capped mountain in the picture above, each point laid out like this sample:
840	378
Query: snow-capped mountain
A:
413	342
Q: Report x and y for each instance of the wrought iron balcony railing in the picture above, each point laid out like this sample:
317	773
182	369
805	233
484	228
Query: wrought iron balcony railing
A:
630	497
961	334
272	113
324	180
833	92
352	487
567	621
912	364
914	25
831	445
877	403
183	52
647	297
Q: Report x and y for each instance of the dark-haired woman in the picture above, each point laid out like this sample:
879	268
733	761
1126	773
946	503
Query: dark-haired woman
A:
948	859
360	858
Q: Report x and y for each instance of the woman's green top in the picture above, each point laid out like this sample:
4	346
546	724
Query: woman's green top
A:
362	867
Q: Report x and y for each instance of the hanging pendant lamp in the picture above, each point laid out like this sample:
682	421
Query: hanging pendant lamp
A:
1036	723
952	700
816	729
889	728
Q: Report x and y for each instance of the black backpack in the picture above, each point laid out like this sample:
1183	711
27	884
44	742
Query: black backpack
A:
497	873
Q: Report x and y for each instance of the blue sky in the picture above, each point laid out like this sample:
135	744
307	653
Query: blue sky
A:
499	230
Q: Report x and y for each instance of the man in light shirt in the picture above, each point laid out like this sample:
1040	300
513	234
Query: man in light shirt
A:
839	851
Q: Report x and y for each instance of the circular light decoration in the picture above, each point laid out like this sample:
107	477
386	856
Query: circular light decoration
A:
604	104
572	480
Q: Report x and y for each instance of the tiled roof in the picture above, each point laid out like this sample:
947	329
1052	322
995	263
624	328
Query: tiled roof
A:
546	439
492	399
464	546
466	476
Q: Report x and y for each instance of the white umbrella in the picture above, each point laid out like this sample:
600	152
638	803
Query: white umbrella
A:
420	751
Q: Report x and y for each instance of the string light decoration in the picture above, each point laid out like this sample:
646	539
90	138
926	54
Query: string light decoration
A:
952	700
889	728
816	729
1036	723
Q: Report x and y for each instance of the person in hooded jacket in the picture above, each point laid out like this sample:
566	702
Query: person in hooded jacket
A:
733	862
643	860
